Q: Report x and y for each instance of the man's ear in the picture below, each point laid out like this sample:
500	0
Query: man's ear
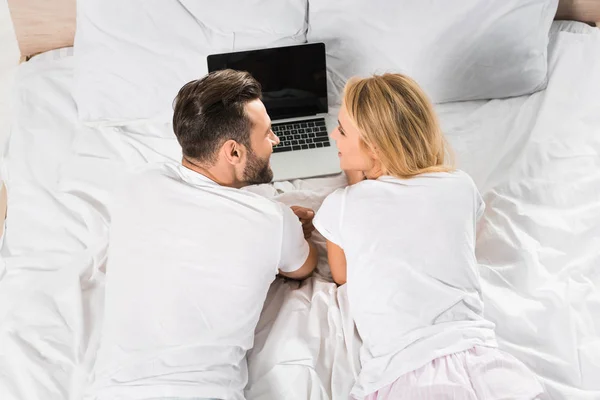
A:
233	152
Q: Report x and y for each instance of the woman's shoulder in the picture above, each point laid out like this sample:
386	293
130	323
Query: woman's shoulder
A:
465	178
427	177
452	180
459	173
338	194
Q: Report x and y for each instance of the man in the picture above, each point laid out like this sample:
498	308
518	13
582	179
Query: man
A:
191	256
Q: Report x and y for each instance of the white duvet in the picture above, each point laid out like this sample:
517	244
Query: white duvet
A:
536	160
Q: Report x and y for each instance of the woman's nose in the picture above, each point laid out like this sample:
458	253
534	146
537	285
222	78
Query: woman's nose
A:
334	134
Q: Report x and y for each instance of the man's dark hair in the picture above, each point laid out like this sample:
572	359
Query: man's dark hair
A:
210	111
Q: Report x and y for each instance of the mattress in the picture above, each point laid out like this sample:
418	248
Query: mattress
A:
536	160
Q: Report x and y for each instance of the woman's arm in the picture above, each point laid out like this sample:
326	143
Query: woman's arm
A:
307	268
337	262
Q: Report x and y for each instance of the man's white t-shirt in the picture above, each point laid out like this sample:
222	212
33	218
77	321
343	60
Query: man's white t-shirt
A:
189	266
412	279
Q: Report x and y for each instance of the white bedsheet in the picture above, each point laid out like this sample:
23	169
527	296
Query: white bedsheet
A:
536	160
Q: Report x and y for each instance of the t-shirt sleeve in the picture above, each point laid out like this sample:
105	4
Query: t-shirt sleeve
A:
294	248
328	218
479	205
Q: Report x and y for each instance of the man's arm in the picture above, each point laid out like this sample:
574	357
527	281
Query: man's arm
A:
307	268
337	262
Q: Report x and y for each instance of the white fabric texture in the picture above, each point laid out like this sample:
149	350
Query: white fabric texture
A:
456	51
533	158
412	277
189	266
9	59
475	374
147	49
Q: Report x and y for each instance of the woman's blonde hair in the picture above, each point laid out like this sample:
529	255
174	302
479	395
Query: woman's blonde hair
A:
397	122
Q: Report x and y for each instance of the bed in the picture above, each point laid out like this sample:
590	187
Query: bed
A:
535	159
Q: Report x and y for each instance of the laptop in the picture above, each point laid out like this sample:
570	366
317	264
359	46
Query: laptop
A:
294	85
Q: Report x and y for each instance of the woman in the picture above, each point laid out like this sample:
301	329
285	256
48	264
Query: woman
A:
402	235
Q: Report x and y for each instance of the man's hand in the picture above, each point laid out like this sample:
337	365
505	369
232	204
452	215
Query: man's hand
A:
305	215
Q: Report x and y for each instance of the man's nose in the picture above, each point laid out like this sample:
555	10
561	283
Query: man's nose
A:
275	139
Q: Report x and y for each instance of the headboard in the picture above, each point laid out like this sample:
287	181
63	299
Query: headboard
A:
43	25
579	10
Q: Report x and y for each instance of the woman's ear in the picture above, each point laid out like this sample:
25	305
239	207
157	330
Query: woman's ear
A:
377	170
374	156
371	152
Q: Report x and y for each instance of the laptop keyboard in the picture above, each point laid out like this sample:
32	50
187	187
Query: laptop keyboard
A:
301	135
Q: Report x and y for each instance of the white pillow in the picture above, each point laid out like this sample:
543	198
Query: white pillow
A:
133	56
456	50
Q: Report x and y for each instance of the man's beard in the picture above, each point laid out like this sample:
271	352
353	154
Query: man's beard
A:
257	170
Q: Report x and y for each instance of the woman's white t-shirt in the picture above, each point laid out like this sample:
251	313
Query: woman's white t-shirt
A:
412	278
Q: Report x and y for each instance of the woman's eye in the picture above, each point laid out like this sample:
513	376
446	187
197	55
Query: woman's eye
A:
341	131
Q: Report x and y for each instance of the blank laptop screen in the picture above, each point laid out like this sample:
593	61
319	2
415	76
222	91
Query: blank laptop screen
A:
293	78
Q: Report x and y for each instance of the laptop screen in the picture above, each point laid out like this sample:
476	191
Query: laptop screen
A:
293	78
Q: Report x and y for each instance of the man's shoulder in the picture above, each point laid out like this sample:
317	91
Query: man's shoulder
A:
153	171
143	178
